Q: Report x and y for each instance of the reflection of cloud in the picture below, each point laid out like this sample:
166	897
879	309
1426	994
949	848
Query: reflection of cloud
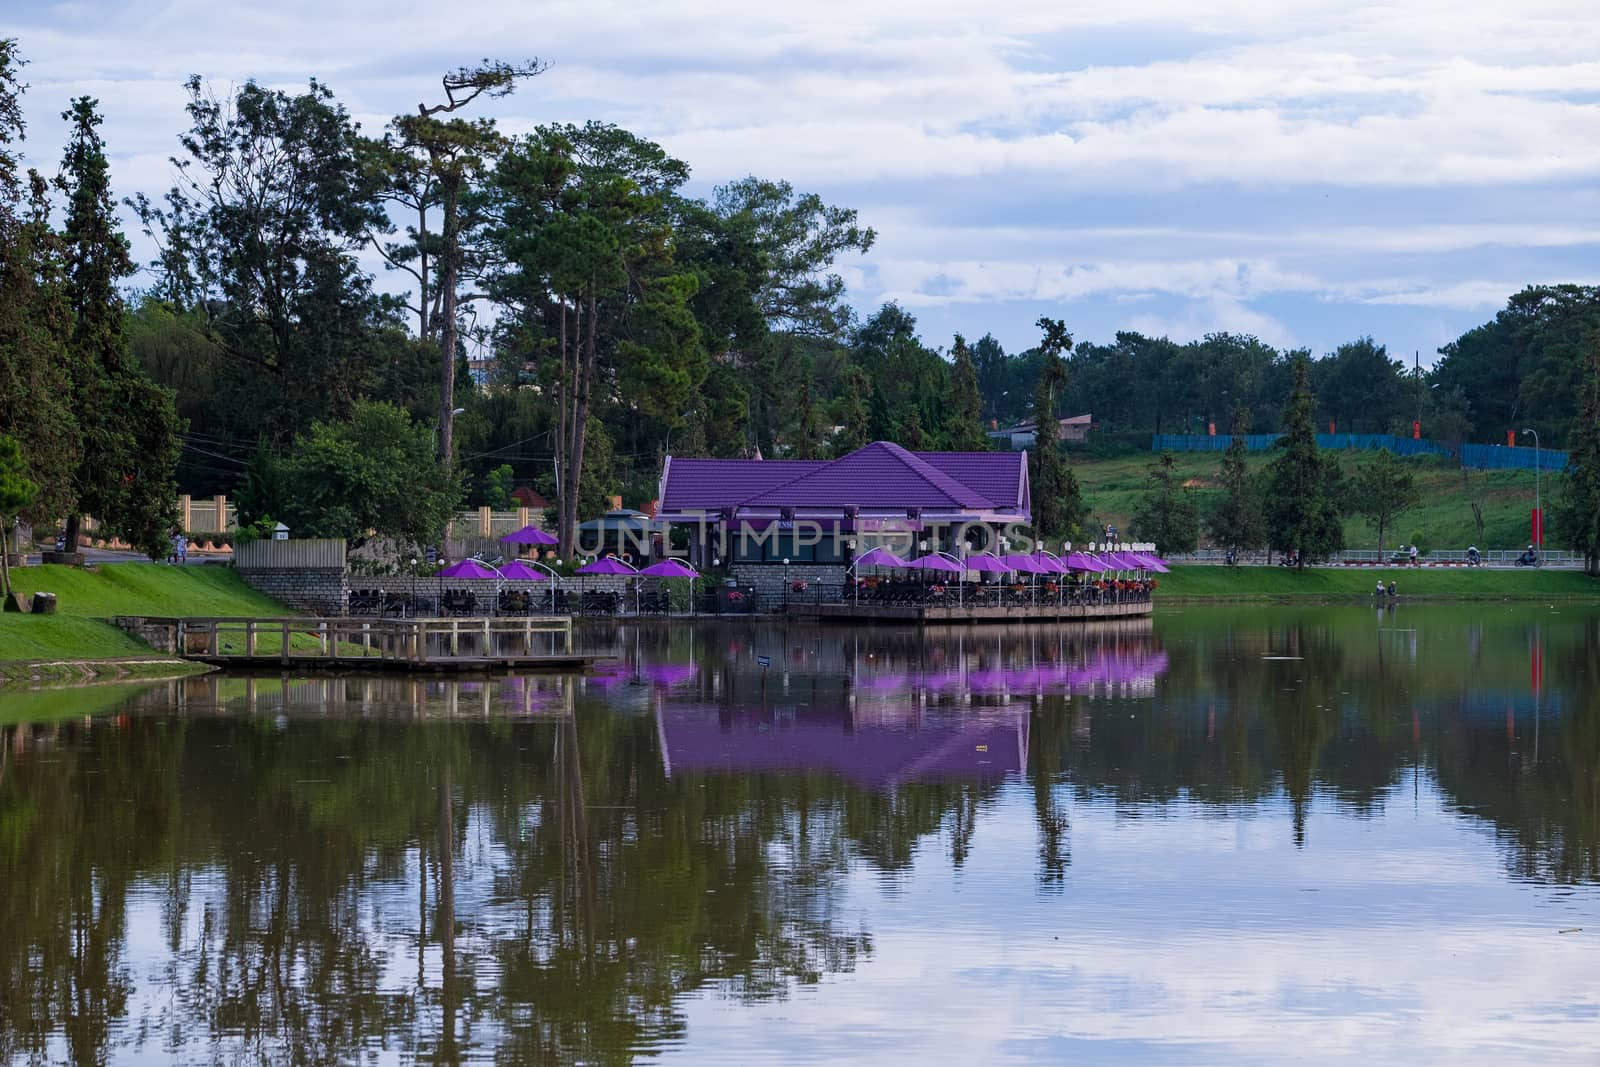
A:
1201	937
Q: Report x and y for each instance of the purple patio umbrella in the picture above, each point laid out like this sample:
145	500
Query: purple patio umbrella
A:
1023	564
1152	563
879	557
528	535
518	571
933	561
1051	564
1081	561
607	565
466	568
670	568
987	563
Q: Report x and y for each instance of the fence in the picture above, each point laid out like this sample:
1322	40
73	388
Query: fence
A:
1472	457
488	524
1356	557
325	554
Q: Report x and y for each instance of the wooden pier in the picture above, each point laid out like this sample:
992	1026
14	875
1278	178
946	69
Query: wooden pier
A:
358	644
920	614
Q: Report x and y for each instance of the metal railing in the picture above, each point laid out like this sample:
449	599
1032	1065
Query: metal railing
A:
370	642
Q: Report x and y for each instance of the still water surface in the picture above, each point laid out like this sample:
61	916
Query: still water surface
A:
1326	835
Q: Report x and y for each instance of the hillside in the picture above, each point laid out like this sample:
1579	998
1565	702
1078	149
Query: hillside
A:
1112	488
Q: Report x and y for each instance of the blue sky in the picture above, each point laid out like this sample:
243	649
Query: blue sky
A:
1308	172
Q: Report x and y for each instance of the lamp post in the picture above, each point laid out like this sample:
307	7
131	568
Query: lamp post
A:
413	604
1538	509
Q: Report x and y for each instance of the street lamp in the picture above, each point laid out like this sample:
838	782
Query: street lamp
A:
1537	509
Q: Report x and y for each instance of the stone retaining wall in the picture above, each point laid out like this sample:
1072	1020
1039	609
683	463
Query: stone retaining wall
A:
320	592
769	578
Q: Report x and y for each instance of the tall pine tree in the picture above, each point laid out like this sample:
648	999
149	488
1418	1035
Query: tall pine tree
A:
129	430
35	392
1577	511
1057	502
1236	521
1304	487
964	409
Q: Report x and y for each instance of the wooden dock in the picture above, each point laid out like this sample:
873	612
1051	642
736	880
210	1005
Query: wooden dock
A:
460	645
921	614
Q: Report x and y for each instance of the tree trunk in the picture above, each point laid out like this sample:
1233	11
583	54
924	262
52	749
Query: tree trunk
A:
5	564
585	351
423	321
74	527
563	397
448	257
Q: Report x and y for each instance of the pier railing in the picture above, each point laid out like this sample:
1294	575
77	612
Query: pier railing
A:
363	642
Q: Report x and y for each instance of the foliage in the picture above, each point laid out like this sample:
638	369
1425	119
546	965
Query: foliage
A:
128	425
1057	506
497	487
1577	511
375	474
1382	491
1304	488
1235	522
964	407
1168	516
17	493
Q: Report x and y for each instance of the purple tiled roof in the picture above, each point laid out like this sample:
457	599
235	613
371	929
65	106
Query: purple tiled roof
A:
997	475
713	483
877	475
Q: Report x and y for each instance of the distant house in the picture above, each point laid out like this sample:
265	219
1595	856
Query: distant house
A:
528	497
1073	428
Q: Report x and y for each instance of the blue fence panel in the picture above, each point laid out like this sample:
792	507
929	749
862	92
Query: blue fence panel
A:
1473	457
1506	457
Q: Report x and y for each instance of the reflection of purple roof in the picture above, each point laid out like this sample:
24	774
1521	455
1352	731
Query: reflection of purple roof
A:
466	568
609	675
876	756
670	674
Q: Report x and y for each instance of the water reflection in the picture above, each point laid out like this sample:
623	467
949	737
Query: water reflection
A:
553	869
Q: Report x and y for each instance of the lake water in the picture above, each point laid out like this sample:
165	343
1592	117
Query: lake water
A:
1241	836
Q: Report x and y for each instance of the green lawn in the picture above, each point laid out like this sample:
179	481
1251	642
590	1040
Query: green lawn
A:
84	598
1112	488
1274	582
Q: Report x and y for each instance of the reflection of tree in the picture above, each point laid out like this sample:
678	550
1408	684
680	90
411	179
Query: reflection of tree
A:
1050	730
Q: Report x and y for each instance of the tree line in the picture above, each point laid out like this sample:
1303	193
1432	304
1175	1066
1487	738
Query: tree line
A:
556	312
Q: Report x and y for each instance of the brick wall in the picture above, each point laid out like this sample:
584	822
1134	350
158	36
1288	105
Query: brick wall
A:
320	592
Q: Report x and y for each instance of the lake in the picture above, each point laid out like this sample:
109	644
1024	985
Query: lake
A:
1221	835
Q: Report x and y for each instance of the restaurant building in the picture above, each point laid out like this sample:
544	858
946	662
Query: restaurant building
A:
808	519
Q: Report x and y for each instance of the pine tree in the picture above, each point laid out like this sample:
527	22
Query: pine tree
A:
1304	487
1057	506
853	413
1236	521
1577	510
126	469
35	392
17	493
964	409
1167	515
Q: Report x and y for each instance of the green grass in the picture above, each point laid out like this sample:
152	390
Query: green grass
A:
85	598
1203	582
1113	488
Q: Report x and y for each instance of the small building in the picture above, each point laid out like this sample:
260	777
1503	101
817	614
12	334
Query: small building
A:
1073	429
810	518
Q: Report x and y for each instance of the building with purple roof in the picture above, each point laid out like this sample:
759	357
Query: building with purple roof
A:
751	513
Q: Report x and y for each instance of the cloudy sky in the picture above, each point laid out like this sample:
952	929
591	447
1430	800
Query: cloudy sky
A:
1307	171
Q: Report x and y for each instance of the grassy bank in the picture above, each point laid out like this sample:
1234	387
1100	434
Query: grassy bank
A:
87	598
1113	487
1283	583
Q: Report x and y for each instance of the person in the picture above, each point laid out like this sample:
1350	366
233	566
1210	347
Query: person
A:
173	556
1413	555
183	549
1473	559
1392	592
1528	558
1378	591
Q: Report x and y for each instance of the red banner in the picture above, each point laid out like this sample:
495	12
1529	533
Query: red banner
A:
1211	429
1511	439
1538	527
1416	429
